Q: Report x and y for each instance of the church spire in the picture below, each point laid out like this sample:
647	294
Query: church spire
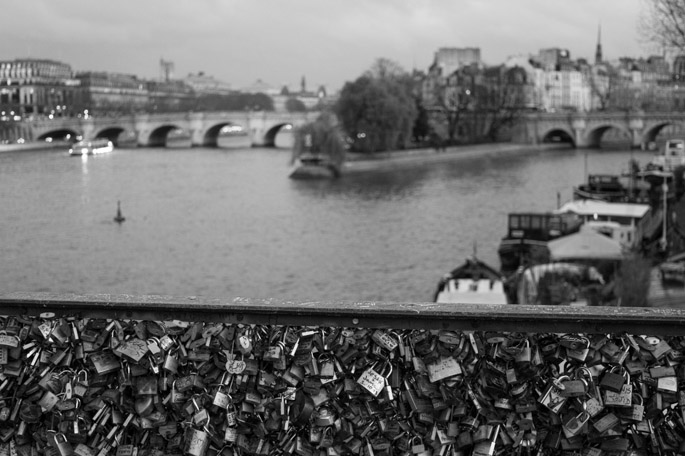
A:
598	51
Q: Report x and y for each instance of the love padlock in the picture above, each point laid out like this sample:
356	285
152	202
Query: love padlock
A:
613	379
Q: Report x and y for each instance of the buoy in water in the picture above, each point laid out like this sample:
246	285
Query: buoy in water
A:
119	218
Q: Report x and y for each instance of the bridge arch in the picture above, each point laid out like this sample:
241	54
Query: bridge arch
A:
210	138
158	136
114	134
558	134
62	133
593	137
650	132
270	136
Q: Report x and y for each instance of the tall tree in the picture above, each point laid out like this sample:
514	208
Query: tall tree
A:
378	109
604	85
663	23
501	99
295	105
453	99
322	137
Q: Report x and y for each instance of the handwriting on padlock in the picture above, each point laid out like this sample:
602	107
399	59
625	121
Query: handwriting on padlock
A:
443	368
235	366
9	341
134	348
197	444
45	329
623	398
372	381
384	339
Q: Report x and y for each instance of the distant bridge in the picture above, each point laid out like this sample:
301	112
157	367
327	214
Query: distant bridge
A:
586	129
153	129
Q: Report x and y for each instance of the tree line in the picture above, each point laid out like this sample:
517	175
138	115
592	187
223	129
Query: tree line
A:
387	108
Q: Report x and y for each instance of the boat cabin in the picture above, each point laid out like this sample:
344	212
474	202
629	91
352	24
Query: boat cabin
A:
540	226
528	234
604	183
631	222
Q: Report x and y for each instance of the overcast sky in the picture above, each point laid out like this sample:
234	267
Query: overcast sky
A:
327	41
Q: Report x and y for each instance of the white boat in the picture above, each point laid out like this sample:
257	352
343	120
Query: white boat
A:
633	223
671	156
474	282
94	147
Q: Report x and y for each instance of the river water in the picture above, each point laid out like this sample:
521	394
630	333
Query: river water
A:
228	222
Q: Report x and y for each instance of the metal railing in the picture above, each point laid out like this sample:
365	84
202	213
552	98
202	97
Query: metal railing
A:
399	315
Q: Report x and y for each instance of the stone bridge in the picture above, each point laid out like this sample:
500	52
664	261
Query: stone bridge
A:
586	129
203	128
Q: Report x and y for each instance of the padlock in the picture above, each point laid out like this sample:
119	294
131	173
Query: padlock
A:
636	412
667	385
443	368
551	397
621	399
574	387
374	381
63	446
416	445
605	423
487	448
196	442
613	379
574	424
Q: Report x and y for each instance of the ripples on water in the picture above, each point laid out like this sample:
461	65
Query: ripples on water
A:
228	222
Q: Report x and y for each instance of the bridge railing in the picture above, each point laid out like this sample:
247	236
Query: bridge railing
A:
204	376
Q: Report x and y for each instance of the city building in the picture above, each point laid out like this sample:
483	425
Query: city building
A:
450	59
310	99
552	59
203	84
31	87
169	96
103	92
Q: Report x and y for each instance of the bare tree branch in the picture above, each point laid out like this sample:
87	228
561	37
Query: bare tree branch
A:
664	23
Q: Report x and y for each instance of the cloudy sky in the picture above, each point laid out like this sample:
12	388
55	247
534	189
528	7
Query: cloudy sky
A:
327	41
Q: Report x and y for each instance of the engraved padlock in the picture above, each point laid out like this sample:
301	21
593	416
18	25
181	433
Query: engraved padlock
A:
374	381
196	442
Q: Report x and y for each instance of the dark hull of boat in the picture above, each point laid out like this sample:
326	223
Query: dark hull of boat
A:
610	197
314	172
315	169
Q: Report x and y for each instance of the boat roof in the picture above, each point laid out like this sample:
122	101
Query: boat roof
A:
473	268
590	207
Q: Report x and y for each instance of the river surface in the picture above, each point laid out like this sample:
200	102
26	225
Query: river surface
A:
228	222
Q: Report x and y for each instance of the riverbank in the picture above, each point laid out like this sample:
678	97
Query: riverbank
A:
356	162
35	146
